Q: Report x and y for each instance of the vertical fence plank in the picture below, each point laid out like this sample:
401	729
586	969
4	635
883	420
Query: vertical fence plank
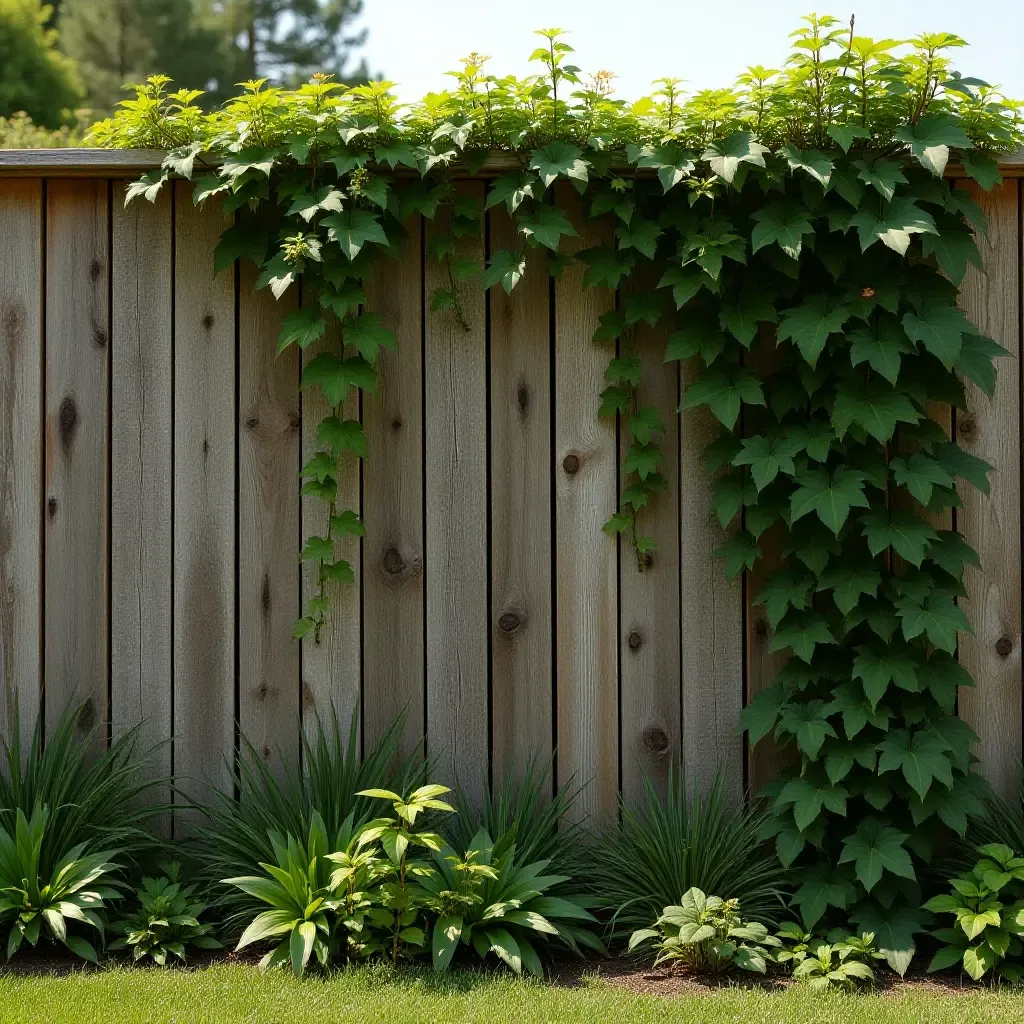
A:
21	452
393	501
990	429
521	616
649	599
77	365
204	502
331	668
712	620
142	366
586	562
268	526
455	376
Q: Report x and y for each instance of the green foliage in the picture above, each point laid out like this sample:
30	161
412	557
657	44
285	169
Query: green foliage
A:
844	962
807	254
35	76
988	905
35	901
100	798
287	800
19	131
667	845
495	903
165	920
707	935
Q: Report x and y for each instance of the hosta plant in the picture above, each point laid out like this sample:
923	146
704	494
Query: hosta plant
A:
313	908
164	923
490	902
988	905
707	935
34	904
844	963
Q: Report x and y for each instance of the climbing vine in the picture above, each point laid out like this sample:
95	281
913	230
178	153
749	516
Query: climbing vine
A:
798	233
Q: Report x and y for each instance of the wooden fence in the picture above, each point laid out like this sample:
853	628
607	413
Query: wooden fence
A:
150	523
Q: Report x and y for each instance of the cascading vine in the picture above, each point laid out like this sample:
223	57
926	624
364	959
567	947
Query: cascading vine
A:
798	231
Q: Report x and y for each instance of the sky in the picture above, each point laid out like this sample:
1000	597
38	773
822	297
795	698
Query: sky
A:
705	42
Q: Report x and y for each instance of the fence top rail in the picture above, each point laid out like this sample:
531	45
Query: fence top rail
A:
119	163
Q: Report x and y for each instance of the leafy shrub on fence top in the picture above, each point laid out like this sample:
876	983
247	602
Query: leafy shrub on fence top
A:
669	845
808	253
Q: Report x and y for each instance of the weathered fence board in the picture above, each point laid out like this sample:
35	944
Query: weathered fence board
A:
76	564
150	520
21	453
141	474
991	429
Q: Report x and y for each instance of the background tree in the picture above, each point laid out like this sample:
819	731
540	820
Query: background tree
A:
34	75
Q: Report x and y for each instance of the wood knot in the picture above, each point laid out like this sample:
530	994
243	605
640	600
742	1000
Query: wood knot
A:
87	715
967	428
263	691
12	318
294	422
207	321
655	738
266	753
761	627
99	335
396	423
523	397
393	563
265	593
51	506
509	622
1004	646
571	463
95	269
252	422
67	420
635	640
647	559
206	446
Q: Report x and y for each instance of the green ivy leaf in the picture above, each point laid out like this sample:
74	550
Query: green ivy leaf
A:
819	891
347	523
810	161
335	376
801	633
830	495
767	456
345	299
324	200
882	175
685	282
907	535
844	134
841	757
317	549
785	589
343	436
642	459
559	160
741	314
808	724
847	583
725	157
605	266
732	492
695	340
670	160
959	463
950	551
367	335
983	168
920	755
954	248
758	718
920	474
809	798
893	928
881	345
723	389
506	268
784	222
875	848
353	229
545	225
892	224
739	553
849	701
645	423
511	189
876	669
975	361
940	328
643	306
873	405
938	617
300	327
810	324
640	234
929	140
338	572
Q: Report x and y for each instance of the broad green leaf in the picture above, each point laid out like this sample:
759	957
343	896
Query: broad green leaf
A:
545	225
893	928
559	160
785	589
511	189
881	345
345	299
725	157
300	327
672	163
801	632
808	799
808	724
758	718
959	463
740	314
343	436
921	756
907	535
818	892
243	238
830	495
695	340
975	361
848	583
892	224
882	175
983	168
951	551
954	248
367	335
873	405
506	268
876	669
929	140
938	617
766	456
849	701
940	328
810	324
844	134
685	282
875	848
920	474
605	266
335	376
739	553
324	200
785	222
723	389
352	229
640	234
810	161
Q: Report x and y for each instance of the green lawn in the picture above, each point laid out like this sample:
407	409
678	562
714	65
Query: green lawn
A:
229	994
